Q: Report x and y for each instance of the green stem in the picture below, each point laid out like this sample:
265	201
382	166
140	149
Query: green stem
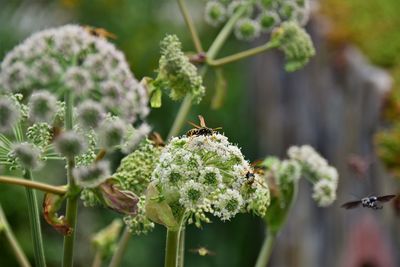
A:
122	245
16	248
225	32
212	52
58	190
97	260
266	250
34	219
72	201
181	249
190	25
240	55
171	248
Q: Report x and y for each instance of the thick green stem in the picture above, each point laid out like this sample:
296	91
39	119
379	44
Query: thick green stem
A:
171	248
181	249
122	245
266	250
34	220
181	116
240	55
58	190
72	201
190	25
16	248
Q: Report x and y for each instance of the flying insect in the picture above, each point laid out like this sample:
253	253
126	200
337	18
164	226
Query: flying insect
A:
100	32
371	202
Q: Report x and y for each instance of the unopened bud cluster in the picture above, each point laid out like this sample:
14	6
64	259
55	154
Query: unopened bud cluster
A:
176	74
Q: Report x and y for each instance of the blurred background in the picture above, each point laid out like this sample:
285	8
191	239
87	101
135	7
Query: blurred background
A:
335	104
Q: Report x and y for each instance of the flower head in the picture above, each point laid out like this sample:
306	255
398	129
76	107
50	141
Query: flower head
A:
247	29
215	13
27	155
93	175
42	106
90	114
203	174
70	144
295	43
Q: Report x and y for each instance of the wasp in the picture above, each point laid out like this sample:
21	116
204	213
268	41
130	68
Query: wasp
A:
371	202
100	32
202	251
202	129
251	177
157	139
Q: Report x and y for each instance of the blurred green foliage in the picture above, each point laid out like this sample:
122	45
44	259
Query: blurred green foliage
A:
139	26
374	27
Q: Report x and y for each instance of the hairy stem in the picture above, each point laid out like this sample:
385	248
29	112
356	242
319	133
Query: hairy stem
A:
266	250
171	248
240	55
58	190
72	201
34	219
190	25
122	245
16	248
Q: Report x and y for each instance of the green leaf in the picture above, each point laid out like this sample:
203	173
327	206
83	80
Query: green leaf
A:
155	100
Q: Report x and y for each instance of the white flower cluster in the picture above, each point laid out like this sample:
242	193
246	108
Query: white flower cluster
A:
206	173
324	177
70	58
106	98
259	16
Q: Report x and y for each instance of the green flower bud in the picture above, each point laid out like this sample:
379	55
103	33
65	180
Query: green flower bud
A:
295	43
139	224
215	13
268	20
247	29
175	74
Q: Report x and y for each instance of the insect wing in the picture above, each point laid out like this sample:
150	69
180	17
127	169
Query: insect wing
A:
386	198
351	204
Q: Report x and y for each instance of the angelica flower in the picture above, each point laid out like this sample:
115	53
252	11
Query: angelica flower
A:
70	144
295	43
202	174
324	192
215	13
90	114
247	29
93	175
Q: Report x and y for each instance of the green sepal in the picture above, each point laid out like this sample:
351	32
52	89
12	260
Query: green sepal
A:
280	207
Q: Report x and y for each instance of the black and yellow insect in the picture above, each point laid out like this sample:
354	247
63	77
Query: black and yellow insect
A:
202	129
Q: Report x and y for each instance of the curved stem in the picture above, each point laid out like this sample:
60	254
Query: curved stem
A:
240	55
181	116
171	248
19	253
34	219
122	245
266	250
58	190
72	201
190	25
